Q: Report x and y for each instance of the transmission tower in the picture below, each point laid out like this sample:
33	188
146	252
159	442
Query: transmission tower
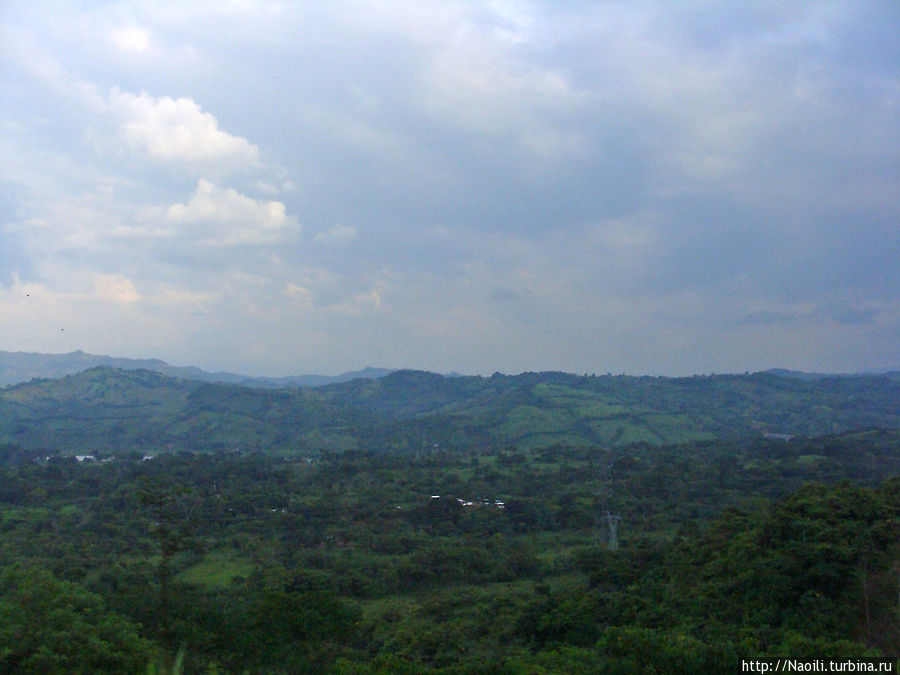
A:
613	522
604	492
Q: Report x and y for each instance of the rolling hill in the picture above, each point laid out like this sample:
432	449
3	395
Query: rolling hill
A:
109	410
17	367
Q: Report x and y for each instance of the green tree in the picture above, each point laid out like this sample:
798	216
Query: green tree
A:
53	626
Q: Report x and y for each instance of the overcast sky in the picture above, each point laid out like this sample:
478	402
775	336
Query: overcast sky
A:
292	187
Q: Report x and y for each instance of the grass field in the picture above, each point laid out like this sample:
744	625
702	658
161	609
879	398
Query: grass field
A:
217	570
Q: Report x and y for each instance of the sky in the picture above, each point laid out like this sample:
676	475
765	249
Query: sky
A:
276	188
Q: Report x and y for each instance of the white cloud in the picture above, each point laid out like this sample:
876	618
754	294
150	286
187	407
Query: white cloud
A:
178	131
338	235
360	304
226	217
300	294
131	38
115	288
490	91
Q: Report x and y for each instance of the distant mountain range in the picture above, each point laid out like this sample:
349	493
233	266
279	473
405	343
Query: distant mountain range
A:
113	410
18	367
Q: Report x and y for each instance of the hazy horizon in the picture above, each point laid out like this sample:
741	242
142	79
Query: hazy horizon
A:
377	367
274	188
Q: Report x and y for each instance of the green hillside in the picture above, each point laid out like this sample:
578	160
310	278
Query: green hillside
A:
105	410
18	367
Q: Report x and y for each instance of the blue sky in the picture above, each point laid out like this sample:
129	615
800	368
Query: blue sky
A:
280	188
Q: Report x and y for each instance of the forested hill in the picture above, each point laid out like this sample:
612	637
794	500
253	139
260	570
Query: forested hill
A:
109	410
16	367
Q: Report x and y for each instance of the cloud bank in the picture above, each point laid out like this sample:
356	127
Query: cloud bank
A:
646	187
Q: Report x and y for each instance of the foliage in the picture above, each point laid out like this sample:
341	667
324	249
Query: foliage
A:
53	626
103	410
472	560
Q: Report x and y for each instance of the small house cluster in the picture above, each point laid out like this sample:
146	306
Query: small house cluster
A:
479	502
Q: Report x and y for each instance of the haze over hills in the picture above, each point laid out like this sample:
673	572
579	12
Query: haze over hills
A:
18	367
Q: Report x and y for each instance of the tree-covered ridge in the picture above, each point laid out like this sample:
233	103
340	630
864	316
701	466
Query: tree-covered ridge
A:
17	367
108	410
456	562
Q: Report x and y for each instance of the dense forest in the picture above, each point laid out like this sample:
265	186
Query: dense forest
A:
429	540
